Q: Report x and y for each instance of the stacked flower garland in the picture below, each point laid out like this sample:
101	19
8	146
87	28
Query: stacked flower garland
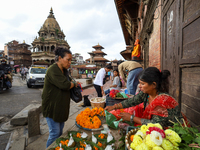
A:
153	137
88	118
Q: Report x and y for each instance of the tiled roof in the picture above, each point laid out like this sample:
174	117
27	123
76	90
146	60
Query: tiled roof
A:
98	59
98	46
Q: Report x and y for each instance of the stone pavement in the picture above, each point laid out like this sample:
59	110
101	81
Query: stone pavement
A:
39	142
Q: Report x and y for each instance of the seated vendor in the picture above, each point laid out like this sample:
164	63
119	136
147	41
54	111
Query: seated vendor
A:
116	82
158	105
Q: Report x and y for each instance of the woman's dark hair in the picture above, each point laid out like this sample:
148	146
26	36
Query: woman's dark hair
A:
109	66
152	74
116	71
61	52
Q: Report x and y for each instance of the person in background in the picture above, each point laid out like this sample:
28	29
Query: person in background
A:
134	69
115	84
111	74
98	81
56	94
10	76
157	105
22	73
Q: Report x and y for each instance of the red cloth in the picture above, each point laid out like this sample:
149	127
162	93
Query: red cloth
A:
159	106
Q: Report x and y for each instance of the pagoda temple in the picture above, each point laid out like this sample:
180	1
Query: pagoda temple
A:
50	38
97	57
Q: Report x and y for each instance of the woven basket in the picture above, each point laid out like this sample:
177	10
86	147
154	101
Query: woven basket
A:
97	104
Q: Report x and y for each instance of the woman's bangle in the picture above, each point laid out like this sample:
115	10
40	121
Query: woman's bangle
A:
131	118
118	105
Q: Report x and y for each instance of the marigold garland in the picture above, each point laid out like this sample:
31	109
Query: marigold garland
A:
88	118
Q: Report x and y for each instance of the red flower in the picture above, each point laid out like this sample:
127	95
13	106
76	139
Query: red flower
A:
156	129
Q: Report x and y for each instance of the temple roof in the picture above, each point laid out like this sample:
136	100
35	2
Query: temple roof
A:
115	61
98	59
98	46
51	23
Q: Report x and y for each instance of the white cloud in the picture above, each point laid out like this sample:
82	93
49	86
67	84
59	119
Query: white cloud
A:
85	23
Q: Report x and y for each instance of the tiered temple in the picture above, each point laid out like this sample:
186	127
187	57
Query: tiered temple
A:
97	57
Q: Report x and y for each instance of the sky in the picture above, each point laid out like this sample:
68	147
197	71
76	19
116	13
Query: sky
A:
85	23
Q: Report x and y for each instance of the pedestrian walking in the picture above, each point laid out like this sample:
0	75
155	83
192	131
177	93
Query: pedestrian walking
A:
134	69
98	81
56	94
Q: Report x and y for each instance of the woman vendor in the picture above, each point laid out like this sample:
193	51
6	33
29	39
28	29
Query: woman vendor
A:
156	105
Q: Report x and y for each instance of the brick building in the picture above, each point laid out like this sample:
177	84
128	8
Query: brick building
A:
18	53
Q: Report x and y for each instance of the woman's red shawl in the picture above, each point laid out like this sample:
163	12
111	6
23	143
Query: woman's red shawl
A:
159	106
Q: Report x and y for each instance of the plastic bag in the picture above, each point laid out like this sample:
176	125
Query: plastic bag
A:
111	120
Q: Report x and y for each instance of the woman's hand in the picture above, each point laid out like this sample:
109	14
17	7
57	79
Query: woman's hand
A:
109	108
77	83
125	116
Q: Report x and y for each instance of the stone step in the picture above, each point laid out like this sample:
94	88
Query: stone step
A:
19	144
21	118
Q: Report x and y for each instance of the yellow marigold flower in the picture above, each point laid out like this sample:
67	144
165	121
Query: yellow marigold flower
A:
157	148
142	146
150	125
167	145
144	129
158	125
173	137
175	148
149	142
137	140
139	132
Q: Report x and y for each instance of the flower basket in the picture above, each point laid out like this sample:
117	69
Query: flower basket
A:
127	138
98	102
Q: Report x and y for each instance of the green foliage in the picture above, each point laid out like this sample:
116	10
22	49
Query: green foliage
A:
189	135
104	139
56	30
122	144
119	95
42	39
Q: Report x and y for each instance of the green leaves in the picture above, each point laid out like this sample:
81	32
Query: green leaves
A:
189	135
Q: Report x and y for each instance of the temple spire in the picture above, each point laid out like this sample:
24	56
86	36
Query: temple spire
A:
51	13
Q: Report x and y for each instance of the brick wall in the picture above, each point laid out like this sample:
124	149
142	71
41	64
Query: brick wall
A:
155	40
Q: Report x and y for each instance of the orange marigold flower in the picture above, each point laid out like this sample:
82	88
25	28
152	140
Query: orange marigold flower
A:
78	135
131	138
57	148
101	135
99	144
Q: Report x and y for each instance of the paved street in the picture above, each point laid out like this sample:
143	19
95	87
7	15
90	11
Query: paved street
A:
13	101
18	97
